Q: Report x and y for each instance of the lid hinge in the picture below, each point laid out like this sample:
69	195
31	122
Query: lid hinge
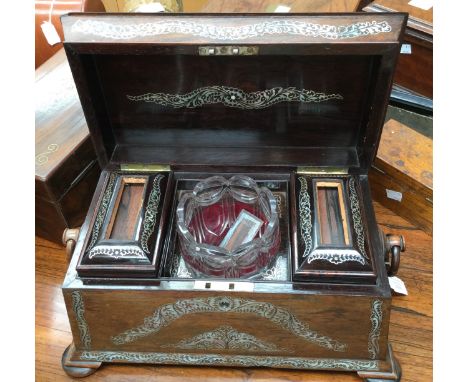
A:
140	167
307	170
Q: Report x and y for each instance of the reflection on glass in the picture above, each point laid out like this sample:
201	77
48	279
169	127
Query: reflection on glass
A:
331	214
207	221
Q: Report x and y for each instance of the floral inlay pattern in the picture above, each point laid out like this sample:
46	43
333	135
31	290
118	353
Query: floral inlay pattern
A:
234	97
356	213
117	252
231	33
151	212
376	322
78	309
276	272
305	217
166	314
336	256
226	338
230	360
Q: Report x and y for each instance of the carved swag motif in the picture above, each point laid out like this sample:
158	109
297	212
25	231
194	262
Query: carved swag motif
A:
225	338
166	314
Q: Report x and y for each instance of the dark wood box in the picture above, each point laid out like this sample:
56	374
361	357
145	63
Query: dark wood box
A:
401	176
414	69
297	102
66	164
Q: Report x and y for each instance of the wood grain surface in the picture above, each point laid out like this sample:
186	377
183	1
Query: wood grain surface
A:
59	119
126	210
407	151
239	6
404	164
252	6
419	18
66	171
410	328
414	71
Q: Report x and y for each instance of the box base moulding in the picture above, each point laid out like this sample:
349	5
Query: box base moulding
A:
78	363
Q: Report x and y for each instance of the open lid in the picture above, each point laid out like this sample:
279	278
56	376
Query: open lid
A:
235	90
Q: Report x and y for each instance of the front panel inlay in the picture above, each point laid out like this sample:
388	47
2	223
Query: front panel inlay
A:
164	315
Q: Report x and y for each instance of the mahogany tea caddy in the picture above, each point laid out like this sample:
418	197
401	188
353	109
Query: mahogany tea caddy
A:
296	102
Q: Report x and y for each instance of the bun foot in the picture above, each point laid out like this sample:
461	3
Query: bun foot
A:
77	369
394	374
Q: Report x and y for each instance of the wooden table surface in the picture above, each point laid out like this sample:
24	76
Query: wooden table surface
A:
410	328
252	6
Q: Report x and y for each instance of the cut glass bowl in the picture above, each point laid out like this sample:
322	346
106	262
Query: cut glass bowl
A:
205	216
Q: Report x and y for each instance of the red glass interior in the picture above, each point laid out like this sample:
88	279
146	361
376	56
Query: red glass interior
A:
216	227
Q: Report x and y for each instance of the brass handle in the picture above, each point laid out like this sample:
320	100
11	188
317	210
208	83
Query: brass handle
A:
394	245
69	238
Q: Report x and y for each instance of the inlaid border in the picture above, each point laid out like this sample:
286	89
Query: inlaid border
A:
305	217
357	220
78	309
376	323
231	360
151	212
117	252
218	31
336	256
234	97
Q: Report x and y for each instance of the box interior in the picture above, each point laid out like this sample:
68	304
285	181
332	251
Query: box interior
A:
320	238
235	111
173	265
296	102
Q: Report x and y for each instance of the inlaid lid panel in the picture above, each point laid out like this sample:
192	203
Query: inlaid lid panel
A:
294	90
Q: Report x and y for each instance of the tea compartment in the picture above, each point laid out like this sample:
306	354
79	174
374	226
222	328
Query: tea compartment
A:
123	241
332	243
277	268
320	234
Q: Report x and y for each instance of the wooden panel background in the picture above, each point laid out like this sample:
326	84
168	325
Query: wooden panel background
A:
212	6
128	311
404	164
410	327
